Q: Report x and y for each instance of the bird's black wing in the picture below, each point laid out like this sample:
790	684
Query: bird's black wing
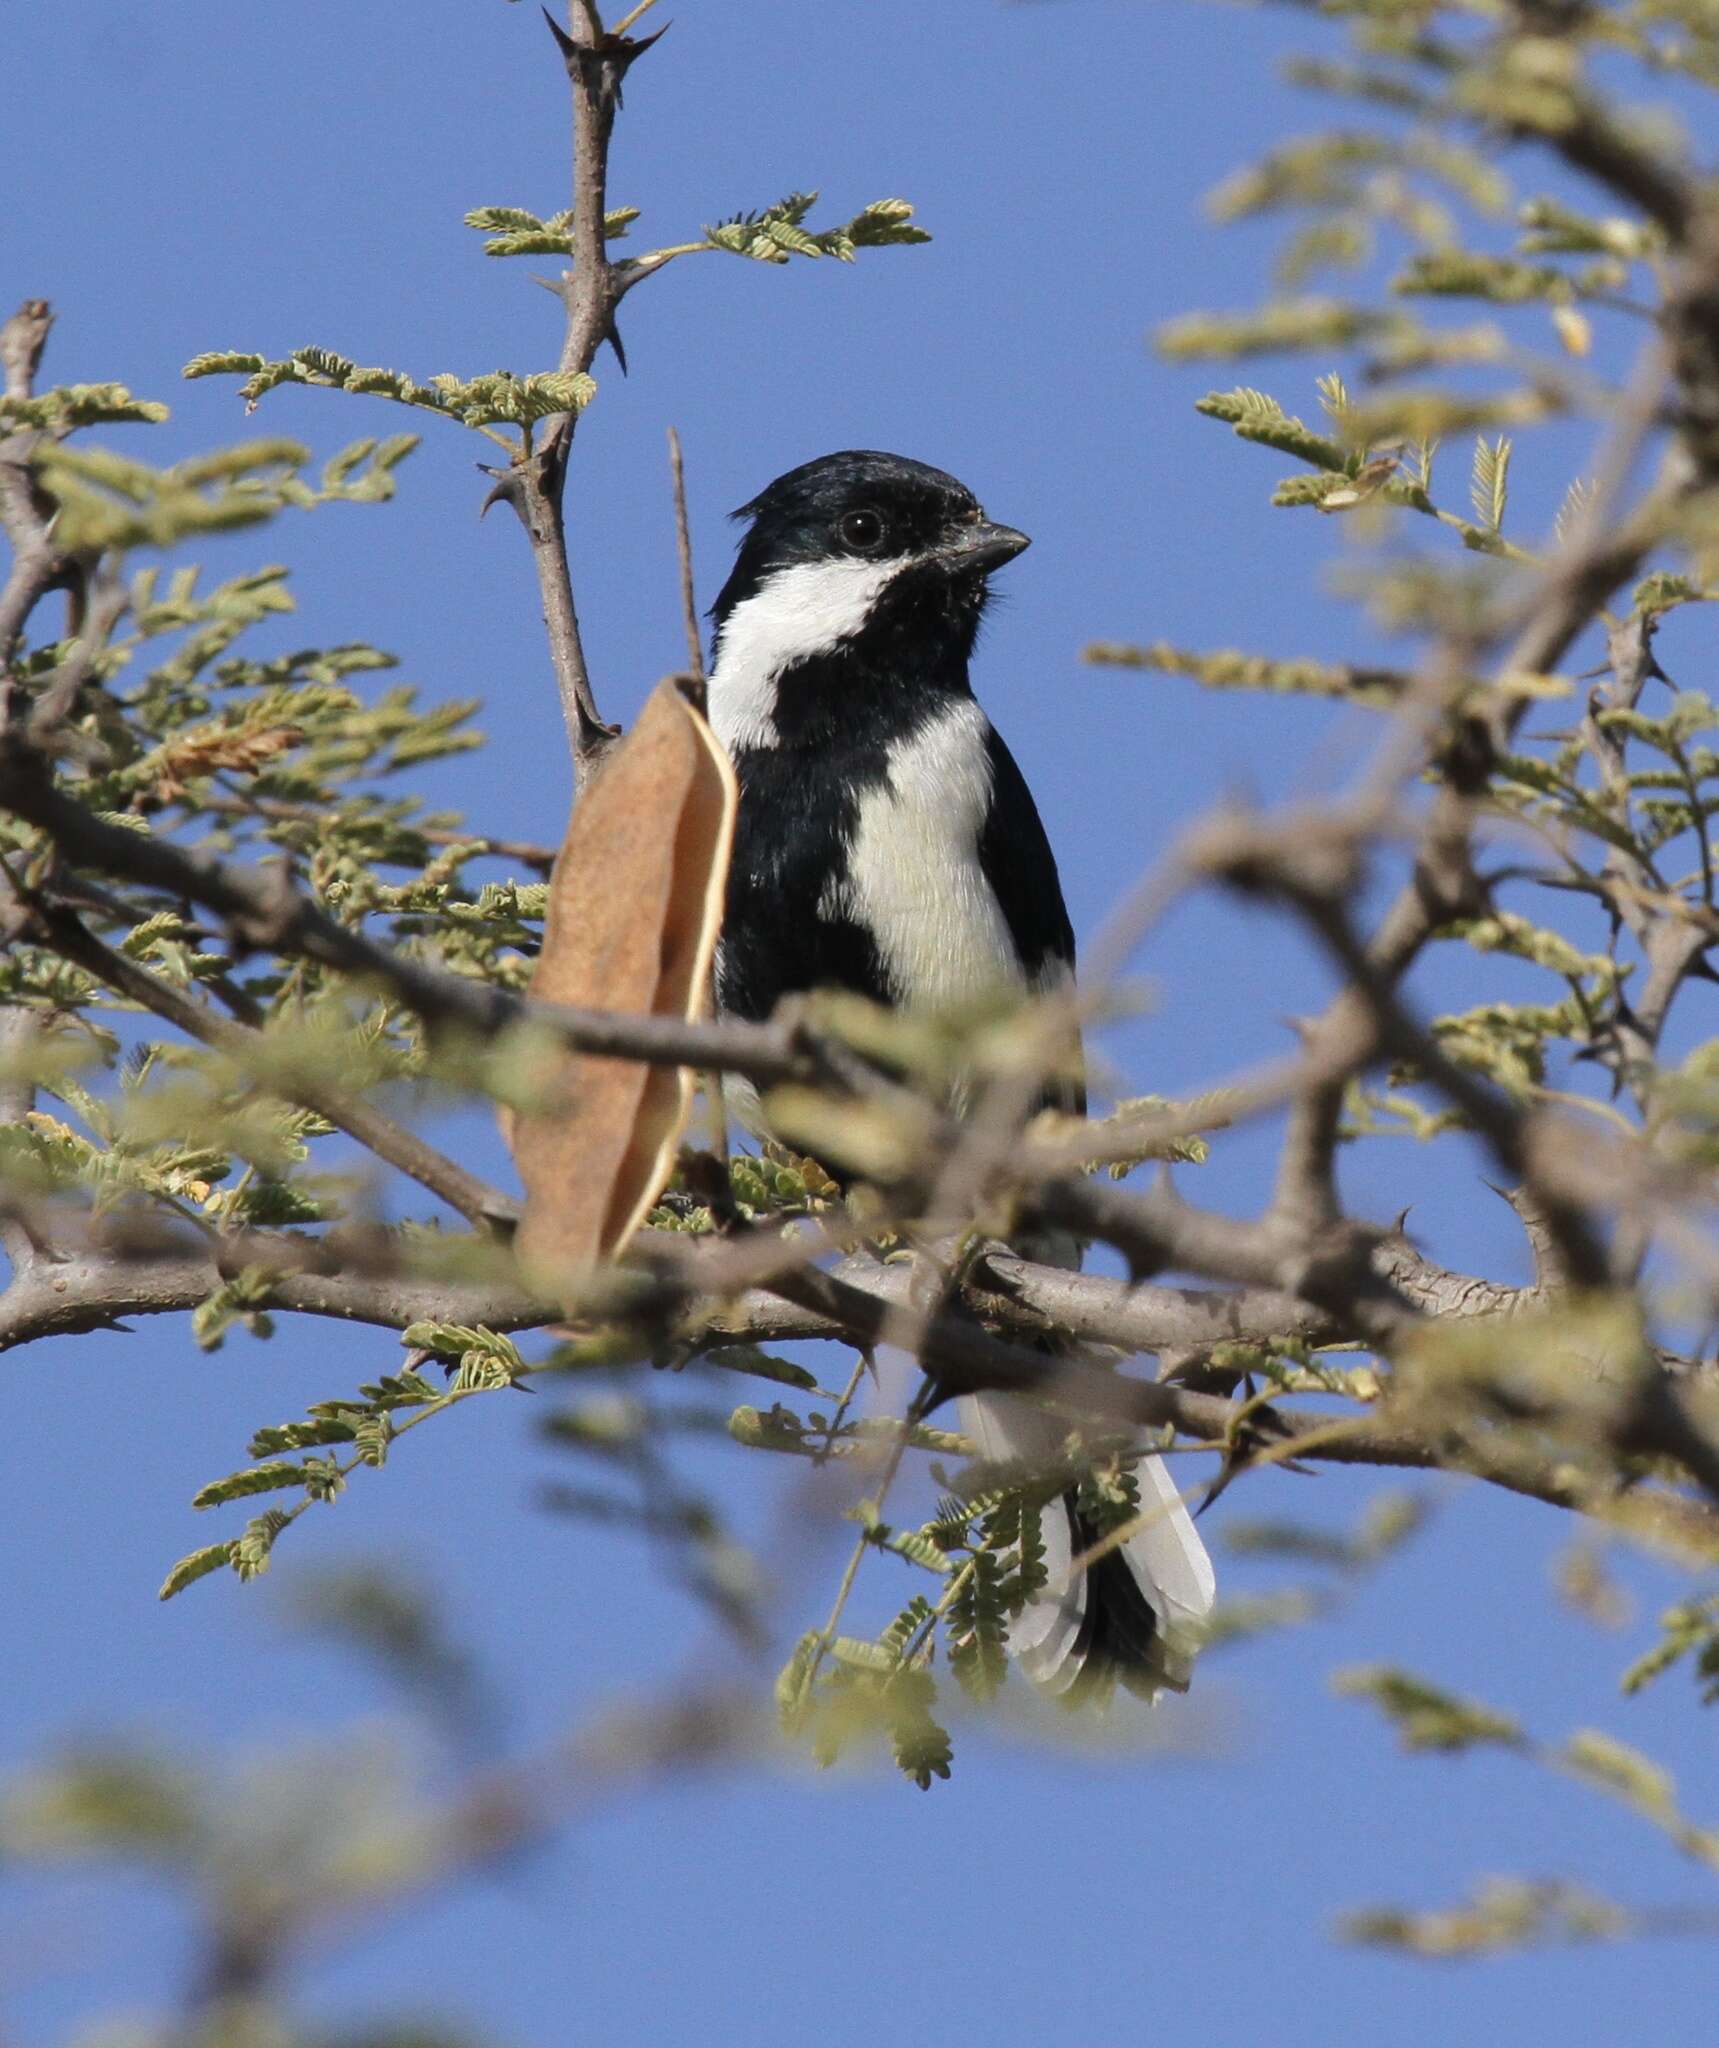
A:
1018	863
782	933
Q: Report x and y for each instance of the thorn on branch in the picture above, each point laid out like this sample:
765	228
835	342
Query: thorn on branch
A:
600	57
504	491
1551	1272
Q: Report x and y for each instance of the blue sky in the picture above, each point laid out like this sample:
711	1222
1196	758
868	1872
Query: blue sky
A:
205	177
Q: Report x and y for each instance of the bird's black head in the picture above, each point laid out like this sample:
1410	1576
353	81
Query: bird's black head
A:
863	543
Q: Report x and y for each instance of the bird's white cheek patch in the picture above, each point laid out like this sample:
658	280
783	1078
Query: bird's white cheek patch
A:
797	615
913	877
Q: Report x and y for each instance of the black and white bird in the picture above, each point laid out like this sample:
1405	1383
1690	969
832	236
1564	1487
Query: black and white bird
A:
888	844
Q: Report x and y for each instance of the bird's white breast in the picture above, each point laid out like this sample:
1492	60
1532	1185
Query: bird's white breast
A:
796	615
913	877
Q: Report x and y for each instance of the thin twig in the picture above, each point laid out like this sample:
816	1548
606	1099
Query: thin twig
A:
1602	550
683	546
243	803
264	909
26	516
916	1410
66	934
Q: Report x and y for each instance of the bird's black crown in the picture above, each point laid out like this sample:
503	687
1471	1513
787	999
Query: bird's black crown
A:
862	504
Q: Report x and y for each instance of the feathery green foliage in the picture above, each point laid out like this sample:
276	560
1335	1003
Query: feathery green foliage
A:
778	232
1227	669
514	232
1424	1715
1502	1915
78	405
497	399
1690	1629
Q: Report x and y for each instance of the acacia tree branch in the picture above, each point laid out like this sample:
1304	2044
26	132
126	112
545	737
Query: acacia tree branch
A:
1154	1318
64	933
965	1360
107	1277
1502	1124
535	484
1601	553
1670	945
22	340
1344	1039
95	1285
25	521
1332	1272
18	1029
25	516
105	607
1594	144
264	909
283	810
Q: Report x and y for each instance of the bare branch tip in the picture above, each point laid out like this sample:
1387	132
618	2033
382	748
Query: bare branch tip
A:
22	340
683	541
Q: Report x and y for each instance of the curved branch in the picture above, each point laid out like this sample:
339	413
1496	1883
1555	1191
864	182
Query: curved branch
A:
963	1359
464	1192
96	1287
263	909
71	1294
1141	1318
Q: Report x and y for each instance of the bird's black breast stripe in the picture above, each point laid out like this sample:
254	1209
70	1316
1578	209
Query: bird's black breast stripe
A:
781	935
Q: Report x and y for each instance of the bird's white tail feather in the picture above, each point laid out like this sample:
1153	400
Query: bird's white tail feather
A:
1166	1557
1045	1633
1173	1568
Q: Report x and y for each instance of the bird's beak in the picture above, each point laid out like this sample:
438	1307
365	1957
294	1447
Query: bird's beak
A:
981	548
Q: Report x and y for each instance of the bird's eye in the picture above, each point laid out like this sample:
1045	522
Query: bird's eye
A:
861	531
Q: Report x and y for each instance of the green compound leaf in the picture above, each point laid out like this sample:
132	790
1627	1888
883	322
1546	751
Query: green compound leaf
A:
251	1551
499	398
776	234
794	1681
1284	327
1424	1715
978	1632
1689	1629
920	1744
514	232
1502	1914
1489	486
216	1557
1455	273
1226	668
69	406
1256	416
259	1479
